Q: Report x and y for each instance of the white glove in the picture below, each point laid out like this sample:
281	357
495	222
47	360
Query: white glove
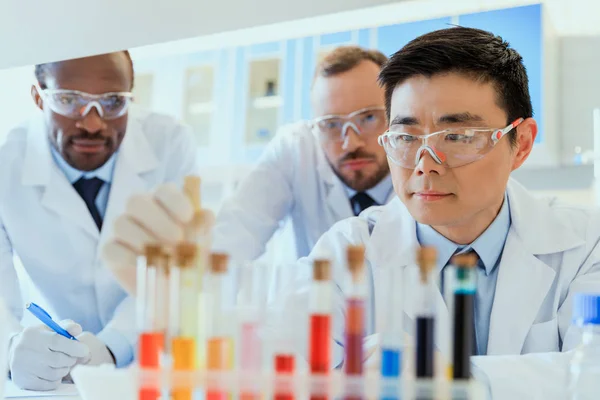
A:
99	353
151	218
40	358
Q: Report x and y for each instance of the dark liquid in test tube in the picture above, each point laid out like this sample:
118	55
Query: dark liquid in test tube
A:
424	347
463	335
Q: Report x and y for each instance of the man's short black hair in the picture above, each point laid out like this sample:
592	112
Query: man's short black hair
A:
478	54
42	70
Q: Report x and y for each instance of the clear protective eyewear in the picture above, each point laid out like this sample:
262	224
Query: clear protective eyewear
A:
452	147
76	105
367	122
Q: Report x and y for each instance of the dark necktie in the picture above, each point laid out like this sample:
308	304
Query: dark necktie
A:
88	190
361	201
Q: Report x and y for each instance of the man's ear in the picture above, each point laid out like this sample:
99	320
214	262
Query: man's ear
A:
37	97
526	133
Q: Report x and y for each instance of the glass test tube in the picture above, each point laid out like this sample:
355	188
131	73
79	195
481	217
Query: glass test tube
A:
355	318
196	232
425	330
463	314
392	341
251	303
219	345
321	305
151	338
183	313
284	346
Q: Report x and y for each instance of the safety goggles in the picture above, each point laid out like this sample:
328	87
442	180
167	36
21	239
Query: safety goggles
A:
451	147
367	122
76	105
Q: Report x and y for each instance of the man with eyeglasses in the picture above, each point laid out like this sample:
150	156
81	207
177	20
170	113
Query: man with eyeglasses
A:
65	175
315	172
461	121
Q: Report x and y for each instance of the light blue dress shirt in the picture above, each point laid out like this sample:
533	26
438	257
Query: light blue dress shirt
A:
105	172
380	192
116	342
489	246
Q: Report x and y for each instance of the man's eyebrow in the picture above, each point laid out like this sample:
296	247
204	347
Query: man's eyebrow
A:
400	120
459	118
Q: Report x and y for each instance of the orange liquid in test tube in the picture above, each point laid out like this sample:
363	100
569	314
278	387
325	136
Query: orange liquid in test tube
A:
219	357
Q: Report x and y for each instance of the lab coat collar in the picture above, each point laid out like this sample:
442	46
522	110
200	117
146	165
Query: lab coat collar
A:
536	225
135	157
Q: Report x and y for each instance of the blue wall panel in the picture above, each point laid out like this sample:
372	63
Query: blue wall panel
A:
364	37
288	83
332	39
308	68
392	38
522	28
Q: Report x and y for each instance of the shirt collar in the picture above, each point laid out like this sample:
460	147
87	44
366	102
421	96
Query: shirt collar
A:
105	172
488	245
380	192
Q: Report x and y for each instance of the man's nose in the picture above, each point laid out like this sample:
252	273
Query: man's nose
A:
92	122
428	165
352	138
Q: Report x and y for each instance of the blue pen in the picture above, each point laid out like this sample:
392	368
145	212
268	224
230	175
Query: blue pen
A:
43	316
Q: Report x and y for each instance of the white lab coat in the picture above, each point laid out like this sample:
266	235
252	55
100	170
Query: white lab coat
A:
550	254
292	179
47	224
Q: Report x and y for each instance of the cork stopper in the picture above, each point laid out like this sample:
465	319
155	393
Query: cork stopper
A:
426	258
321	270
185	254
467	260
152	252
165	261
218	263
191	188
355	256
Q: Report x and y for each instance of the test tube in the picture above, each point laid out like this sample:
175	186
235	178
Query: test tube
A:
425	312
392	342
321	305
251	302
464	310
355	315
219	345
183	289
151	338
196	232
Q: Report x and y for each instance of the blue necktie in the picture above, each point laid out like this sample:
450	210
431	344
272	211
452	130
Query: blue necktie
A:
88	190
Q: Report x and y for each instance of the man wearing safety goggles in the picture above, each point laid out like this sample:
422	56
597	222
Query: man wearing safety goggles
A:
460	122
315	172
65	175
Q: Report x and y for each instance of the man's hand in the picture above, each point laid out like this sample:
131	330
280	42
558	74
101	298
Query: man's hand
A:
159	217
40	358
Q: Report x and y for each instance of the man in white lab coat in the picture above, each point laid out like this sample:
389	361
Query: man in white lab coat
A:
315	172
65	175
461	122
